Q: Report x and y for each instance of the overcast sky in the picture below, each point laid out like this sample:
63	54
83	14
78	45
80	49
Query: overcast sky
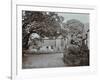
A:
84	18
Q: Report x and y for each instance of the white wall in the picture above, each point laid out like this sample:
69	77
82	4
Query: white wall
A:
5	37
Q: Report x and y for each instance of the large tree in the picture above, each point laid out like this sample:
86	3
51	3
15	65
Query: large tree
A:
77	52
46	24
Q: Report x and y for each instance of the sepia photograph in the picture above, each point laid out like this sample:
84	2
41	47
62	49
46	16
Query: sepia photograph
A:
55	39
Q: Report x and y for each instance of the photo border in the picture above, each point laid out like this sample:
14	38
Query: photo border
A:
13	71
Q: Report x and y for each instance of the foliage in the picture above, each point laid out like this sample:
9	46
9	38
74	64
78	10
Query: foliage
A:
46	24
77	52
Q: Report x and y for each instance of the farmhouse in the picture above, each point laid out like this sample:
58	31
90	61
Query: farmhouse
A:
46	45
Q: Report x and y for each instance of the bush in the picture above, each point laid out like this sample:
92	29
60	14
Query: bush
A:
76	56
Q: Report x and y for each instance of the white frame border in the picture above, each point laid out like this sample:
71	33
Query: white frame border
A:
14	74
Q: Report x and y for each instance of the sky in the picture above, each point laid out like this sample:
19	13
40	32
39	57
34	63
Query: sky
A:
84	18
